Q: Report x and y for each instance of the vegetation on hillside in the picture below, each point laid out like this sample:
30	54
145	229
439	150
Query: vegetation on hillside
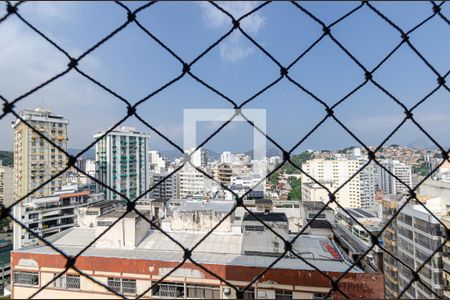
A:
296	192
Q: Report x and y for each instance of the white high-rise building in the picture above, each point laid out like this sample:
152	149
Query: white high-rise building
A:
388	183
122	158
226	157
338	172
157	162
189	182
199	158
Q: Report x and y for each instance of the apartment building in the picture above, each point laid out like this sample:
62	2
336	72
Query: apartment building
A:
388	183
131	263
165	189
6	185
390	204
222	173
189	182
313	192
446	258
338	172
157	162
36	160
122	158
418	236
46	216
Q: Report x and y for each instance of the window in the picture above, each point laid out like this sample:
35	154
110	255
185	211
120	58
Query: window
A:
203	292
169	290
125	286
26	278
254	228
104	223
114	284
129	286
71	282
91	213
283	295
321	296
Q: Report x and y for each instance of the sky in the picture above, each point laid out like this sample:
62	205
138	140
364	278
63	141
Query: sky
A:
133	65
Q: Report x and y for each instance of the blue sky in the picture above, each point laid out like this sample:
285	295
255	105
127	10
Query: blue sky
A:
133	65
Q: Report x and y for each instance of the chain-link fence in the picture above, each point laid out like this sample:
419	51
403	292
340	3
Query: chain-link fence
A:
187	69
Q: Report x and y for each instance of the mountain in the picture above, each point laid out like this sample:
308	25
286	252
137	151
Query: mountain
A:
422	143
90	154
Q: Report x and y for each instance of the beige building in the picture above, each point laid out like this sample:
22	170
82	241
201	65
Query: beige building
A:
35	159
337	172
6	185
312	191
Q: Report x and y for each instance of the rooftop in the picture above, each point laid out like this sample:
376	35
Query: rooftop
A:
118	214
105	203
217	206
215	249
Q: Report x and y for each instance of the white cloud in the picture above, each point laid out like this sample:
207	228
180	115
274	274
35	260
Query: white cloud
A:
27	60
233	49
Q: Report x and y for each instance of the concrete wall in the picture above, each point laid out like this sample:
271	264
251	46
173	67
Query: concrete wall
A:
435	188
201	220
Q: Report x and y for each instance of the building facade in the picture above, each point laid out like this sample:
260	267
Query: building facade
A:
36	160
46	216
388	183
338	171
131	263
122	158
6	185
418	236
391	283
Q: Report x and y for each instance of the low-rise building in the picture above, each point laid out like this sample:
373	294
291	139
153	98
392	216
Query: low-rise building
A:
131	258
49	215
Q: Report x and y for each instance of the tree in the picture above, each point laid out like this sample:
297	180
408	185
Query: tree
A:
296	192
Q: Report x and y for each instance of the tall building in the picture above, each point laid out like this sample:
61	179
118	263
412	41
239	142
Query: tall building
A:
226	157
165	189
446	259
418	236
390	204
6	185
122	158
367	178
157	162
338	172
36	160
199	158
388	183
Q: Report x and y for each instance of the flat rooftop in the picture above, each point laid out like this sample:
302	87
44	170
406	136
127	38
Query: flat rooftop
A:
118	214
200	205
217	248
